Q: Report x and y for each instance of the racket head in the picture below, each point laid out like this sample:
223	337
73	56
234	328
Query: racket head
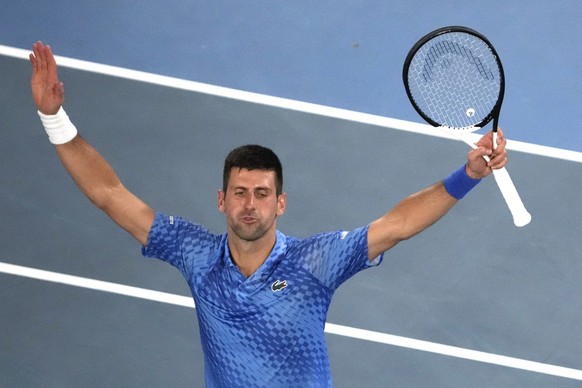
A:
454	78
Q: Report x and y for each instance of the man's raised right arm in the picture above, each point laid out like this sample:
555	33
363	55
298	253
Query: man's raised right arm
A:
90	171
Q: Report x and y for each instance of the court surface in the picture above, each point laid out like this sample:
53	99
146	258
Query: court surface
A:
471	302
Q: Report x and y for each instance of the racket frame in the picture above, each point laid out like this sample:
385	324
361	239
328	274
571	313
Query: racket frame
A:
495	111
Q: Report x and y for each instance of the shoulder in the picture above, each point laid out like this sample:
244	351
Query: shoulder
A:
166	228
336	236
333	242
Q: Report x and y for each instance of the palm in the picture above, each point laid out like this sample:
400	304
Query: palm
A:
47	91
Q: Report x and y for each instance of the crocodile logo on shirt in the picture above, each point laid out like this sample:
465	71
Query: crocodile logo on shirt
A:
278	285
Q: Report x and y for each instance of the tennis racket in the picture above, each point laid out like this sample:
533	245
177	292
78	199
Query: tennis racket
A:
455	81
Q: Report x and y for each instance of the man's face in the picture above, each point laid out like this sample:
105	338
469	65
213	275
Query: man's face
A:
251	204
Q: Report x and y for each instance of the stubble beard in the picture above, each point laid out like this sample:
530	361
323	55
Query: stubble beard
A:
250	232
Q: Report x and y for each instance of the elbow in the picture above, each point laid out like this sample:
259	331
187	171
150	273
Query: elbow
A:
104	198
401	229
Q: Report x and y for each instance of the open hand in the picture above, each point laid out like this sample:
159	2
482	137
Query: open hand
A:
47	91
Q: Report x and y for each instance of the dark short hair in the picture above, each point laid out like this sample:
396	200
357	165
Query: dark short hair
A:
253	157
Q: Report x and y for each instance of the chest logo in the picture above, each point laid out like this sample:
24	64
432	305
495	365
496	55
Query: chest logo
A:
278	285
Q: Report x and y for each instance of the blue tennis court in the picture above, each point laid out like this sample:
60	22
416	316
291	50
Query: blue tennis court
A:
165	90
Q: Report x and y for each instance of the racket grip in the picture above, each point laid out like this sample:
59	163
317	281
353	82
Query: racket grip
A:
521	217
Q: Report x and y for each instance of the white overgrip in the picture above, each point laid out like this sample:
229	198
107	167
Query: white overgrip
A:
521	217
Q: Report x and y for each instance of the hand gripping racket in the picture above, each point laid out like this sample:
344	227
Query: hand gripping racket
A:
454	79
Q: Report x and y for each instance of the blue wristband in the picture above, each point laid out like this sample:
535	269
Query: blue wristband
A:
458	184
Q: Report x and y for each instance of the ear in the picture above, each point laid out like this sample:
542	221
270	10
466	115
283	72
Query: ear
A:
220	200
281	204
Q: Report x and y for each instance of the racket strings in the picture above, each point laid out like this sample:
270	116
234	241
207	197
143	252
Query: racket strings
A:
455	80
445	47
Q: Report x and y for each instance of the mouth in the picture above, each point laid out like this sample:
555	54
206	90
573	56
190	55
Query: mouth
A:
248	219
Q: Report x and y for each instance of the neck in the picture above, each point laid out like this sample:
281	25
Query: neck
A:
248	256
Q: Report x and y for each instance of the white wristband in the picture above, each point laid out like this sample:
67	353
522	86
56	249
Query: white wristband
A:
58	127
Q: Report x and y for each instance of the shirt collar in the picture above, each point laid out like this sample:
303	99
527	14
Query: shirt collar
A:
266	269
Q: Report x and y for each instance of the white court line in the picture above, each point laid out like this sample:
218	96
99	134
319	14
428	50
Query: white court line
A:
284	103
330	328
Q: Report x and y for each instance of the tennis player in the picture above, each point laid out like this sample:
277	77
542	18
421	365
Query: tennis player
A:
261	297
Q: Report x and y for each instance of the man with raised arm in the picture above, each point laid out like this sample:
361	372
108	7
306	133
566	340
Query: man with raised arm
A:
261	296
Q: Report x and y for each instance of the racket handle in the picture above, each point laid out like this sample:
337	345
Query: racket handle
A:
521	217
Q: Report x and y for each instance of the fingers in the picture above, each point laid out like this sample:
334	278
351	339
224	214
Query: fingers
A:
32	60
42	57
501	142
499	154
36	57
476	165
498	158
482	160
37	54
50	62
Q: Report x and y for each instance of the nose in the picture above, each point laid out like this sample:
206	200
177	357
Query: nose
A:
250	201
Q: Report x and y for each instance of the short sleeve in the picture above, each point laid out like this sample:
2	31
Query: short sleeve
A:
337	256
179	243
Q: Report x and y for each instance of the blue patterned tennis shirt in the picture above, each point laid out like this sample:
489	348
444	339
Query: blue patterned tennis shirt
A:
268	329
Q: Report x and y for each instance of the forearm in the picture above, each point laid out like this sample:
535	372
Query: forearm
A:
90	171
87	167
411	216
97	180
419	211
